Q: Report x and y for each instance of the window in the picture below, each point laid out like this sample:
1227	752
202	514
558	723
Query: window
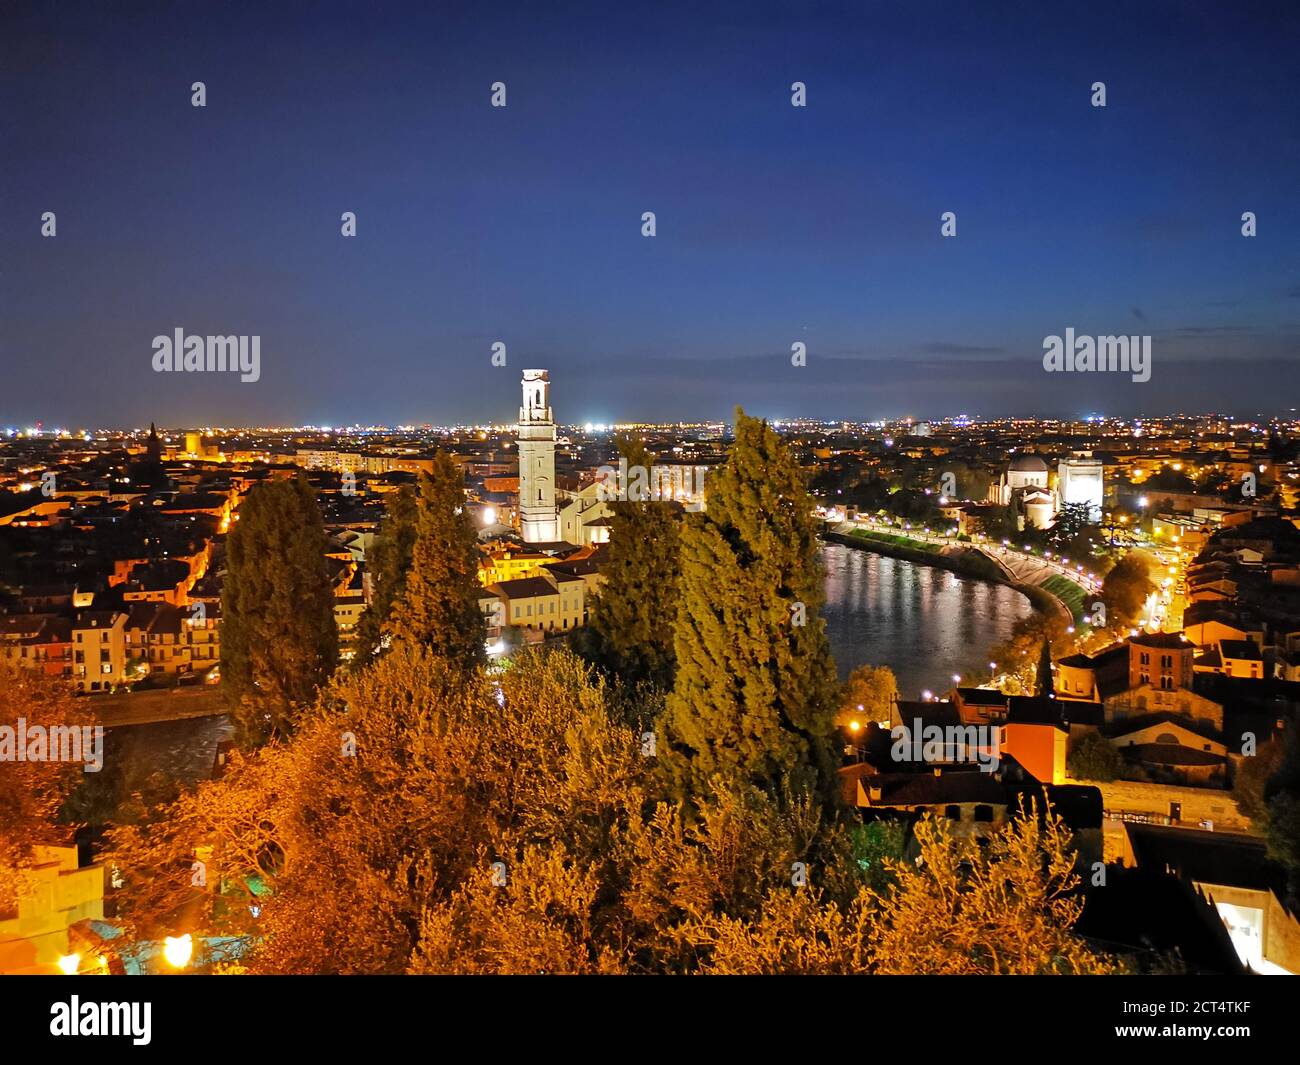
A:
952	813
107	667
1144	659
984	814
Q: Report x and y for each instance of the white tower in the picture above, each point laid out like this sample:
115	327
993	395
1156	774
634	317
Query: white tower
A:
537	514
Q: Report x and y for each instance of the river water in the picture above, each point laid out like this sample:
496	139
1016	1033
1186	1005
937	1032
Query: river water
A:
923	623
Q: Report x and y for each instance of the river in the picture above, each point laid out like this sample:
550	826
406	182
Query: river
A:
922	622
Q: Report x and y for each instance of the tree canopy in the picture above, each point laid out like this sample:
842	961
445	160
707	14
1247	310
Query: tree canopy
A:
279	641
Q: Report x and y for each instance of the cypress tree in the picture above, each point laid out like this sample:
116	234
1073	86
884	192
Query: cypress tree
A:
1045	685
279	642
754	697
389	561
635	610
439	606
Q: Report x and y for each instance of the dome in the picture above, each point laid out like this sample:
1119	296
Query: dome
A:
1027	464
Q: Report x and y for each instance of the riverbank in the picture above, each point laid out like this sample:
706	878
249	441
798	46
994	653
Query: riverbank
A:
959	559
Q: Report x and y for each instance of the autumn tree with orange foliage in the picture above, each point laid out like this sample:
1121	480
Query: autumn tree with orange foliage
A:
424	821
31	792
1004	906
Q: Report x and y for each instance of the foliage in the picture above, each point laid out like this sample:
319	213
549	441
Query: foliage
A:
868	694
1251	780
1093	757
31	791
1044	685
388	562
438	606
1126	587
754	695
633	612
1005	907
279	642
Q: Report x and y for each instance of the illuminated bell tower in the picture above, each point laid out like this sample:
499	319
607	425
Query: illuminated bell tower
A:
538	518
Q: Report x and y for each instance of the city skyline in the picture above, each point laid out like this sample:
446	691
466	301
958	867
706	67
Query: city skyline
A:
775	224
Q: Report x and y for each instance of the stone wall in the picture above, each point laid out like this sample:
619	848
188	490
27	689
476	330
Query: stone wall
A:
1198	804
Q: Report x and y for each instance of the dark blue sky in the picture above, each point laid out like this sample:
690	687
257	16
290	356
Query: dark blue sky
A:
522	224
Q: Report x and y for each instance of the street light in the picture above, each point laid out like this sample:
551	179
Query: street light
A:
178	950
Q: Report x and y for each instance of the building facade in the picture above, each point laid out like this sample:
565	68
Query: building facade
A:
1081	480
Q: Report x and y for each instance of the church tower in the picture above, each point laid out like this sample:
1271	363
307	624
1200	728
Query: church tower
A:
538	518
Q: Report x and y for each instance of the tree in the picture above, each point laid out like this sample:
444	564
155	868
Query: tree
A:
998	522
1074	533
1093	757
1250	783
634	611
439	606
401	785
32	789
1005	907
1282	831
1282	824
1018	653
869	694
1126	587
279	642
394	831
754	695
1045	686
389	561
534	918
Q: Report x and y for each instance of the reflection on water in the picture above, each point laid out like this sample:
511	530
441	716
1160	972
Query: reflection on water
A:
923	623
184	750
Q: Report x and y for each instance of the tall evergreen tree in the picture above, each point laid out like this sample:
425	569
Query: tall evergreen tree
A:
634	612
389	561
754	696
279	642
1045	685
439	606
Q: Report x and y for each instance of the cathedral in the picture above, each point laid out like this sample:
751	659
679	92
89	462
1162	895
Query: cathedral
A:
1024	486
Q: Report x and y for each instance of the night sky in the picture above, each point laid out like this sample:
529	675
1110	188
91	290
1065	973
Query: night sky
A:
522	224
